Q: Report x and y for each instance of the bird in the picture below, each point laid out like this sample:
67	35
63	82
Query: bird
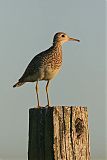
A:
45	65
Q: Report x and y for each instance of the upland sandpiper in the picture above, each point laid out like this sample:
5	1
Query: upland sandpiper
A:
46	64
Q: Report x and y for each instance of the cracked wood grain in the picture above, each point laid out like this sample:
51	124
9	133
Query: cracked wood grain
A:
59	133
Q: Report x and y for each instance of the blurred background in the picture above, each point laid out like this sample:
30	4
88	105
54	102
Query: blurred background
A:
27	28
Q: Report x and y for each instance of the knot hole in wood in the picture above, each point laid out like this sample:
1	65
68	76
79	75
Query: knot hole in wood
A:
79	126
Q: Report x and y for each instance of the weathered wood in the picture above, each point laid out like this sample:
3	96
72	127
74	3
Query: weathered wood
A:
58	133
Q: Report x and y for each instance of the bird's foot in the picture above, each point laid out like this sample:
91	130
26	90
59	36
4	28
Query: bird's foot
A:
36	106
47	106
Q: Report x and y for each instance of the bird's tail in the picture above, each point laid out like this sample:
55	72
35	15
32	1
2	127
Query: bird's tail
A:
18	84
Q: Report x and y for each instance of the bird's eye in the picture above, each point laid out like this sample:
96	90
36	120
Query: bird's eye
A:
63	35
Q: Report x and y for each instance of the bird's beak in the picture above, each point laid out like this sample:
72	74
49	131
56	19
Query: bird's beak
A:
74	39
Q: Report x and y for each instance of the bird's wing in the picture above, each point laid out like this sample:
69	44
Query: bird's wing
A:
39	61
32	67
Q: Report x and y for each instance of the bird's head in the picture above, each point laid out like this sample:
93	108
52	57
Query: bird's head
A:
62	37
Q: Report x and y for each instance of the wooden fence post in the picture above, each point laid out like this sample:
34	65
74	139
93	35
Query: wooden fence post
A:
58	133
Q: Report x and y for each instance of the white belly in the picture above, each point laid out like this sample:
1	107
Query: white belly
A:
49	73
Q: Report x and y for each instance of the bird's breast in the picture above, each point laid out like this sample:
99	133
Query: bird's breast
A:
49	73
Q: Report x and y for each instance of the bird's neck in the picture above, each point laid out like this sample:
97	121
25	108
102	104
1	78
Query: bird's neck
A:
58	47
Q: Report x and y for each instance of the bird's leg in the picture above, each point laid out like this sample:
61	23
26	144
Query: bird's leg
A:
47	93
37	88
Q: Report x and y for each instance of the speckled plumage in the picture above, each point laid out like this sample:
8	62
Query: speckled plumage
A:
46	64
42	64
